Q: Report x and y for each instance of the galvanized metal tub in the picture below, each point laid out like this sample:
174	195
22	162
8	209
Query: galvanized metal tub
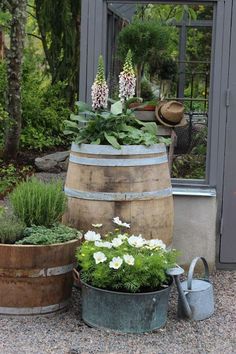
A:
36	279
124	312
132	183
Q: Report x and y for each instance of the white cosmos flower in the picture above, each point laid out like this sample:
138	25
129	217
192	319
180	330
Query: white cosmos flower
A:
155	243
99	257
92	236
116	242
136	241
117	221
128	259
103	244
122	237
97	225
116	262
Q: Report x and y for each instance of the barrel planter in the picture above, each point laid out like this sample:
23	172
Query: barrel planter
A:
133	183
36	279
124	312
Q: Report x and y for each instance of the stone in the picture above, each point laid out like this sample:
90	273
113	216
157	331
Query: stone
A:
55	162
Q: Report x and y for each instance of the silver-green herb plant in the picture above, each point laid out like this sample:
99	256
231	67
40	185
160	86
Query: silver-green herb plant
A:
124	262
38	203
11	229
41	235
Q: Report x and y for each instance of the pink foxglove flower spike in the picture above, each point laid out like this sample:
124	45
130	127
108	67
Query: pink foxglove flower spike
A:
100	89
127	80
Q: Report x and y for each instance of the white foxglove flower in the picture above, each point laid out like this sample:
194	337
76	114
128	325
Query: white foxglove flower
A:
155	243
127	80
116	242
92	236
117	221
128	259
116	262
99	257
99	88
103	244
136	241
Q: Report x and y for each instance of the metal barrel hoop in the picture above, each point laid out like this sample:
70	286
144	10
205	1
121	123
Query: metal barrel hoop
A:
191	270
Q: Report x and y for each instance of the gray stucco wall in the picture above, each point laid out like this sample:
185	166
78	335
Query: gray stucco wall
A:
195	228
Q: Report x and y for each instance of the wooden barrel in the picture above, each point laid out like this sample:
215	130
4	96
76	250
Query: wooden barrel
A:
132	183
36	279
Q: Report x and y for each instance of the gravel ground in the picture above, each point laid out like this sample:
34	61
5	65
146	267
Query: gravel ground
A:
65	333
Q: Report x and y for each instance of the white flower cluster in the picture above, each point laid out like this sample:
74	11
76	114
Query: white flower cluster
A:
99	95
117	221
116	262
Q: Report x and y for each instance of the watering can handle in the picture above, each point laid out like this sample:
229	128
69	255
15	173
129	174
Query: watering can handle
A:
191	270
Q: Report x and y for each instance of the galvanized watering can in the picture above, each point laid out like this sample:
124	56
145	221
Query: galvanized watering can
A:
196	300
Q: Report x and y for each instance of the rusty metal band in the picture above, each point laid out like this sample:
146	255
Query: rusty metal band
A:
33	310
125	150
118	162
36	273
129	196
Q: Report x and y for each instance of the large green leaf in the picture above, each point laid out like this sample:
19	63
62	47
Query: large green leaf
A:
83	106
150	127
117	108
78	118
112	140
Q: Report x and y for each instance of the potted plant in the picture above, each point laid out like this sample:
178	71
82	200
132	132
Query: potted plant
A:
117	164
37	252
124	282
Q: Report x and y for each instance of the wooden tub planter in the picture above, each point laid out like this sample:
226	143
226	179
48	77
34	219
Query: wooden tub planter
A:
132	183
36	279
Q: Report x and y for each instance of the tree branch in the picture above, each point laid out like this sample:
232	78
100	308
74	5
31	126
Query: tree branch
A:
31	6
29	13
34	35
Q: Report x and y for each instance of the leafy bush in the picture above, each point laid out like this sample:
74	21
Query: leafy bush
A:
40	235
146	90
11	229
125	263
38	203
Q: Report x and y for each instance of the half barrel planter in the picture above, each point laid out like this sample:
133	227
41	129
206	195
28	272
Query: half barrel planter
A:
133	183
36	279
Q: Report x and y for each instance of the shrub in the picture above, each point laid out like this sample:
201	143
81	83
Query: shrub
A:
40	235
125	263
146	90
38	203
11	229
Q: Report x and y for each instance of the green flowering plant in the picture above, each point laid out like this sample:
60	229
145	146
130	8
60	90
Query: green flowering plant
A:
124	262
116	125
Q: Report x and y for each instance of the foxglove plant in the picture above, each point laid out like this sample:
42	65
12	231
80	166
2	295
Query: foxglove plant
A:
127	80
99	88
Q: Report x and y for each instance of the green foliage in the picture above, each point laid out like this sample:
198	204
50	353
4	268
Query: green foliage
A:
38	203
11	229
146	90
100	77
10	175
115	128
40	235
142	37
144	271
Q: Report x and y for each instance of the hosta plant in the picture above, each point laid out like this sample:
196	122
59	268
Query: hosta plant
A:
124	262
117	125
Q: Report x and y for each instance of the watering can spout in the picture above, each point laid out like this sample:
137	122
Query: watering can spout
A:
175	273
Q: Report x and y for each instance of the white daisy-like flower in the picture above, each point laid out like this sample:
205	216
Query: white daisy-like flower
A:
92	236
117	221
128	259
97	225
155	243
116	262
99	257
136	241
116	242
122	237
105	244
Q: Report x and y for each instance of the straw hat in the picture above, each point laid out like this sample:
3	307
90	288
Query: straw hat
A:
171	114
